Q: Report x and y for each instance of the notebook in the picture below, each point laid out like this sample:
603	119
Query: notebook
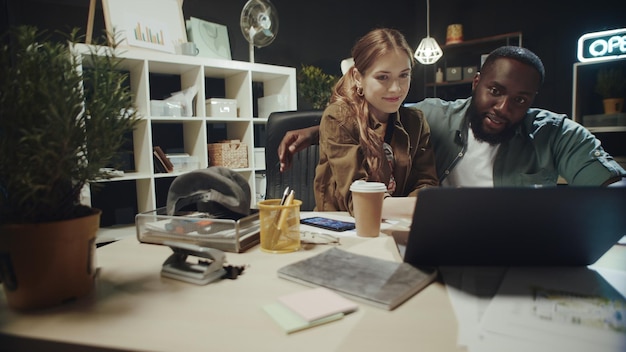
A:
381	283
555	226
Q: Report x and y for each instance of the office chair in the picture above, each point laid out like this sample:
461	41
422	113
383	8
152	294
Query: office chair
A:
302	172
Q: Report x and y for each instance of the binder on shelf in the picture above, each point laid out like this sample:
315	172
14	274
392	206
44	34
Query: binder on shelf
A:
159	166
163	160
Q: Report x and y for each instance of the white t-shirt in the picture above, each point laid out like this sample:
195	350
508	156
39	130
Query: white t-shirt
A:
475	168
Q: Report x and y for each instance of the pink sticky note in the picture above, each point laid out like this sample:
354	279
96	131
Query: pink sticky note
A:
317	303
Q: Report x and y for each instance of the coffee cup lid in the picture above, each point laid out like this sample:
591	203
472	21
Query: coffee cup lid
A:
367	187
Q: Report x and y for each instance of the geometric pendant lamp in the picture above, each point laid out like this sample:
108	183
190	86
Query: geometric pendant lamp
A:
428	52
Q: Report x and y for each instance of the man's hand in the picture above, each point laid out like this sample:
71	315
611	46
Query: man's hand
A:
295	141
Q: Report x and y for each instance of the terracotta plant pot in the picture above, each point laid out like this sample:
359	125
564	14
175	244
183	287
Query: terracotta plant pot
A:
43	265
613	105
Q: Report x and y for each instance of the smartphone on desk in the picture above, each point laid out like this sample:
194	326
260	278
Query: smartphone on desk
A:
328	224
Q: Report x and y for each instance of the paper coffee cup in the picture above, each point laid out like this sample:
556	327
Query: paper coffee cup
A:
367	207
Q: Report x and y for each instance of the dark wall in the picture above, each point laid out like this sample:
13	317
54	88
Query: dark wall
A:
550	28
319	32
322	32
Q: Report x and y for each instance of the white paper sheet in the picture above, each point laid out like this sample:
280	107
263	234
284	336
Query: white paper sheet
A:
549	309
471	290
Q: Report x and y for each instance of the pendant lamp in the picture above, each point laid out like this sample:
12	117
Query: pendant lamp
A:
428	52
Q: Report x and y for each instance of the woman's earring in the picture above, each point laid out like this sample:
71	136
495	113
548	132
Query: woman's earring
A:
359	91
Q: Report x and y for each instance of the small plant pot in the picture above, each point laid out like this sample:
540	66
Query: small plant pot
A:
613	105
47	264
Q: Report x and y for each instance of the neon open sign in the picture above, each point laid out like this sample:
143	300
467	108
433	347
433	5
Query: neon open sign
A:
602	45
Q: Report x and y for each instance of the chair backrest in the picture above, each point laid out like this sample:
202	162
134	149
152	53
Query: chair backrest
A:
302	172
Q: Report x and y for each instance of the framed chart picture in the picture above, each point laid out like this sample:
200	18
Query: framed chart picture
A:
210	38
150	24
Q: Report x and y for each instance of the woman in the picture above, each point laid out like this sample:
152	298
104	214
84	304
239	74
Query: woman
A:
365	134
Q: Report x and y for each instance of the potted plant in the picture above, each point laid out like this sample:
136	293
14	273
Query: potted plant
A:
611	85
61	124
315	86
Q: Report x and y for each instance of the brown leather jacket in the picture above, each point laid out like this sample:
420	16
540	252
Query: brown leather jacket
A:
342	162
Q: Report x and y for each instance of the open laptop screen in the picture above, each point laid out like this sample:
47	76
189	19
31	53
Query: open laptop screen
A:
561	226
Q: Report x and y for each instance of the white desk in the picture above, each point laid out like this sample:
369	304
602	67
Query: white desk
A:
134	308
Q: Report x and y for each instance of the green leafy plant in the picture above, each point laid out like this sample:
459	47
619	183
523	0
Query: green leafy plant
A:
315	86
63	117
611	83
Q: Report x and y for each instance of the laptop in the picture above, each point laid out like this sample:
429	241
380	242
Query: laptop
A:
555	226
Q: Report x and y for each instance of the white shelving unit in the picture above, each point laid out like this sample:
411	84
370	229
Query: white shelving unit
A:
235	79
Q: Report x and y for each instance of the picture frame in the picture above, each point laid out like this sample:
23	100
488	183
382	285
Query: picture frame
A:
150	24
211	39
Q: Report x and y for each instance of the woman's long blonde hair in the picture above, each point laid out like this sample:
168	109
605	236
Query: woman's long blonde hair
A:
365	52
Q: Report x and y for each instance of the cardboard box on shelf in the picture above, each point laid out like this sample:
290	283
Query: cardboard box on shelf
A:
184	162
217	107
231	153
453	74
469	72
165	108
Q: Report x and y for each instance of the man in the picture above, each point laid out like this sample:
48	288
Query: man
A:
495	139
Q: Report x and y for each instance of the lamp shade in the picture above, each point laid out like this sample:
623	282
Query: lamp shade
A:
428	52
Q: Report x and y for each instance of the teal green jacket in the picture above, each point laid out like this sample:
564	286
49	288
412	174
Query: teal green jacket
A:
544	146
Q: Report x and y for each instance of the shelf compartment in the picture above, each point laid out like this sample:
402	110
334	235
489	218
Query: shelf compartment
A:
118	200
585	100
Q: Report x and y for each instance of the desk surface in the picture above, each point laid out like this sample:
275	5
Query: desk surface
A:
134	308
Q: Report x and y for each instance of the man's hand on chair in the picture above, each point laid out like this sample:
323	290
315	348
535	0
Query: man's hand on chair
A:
295	141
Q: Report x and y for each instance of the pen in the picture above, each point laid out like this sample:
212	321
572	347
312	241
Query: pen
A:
285	194
284	212
282	202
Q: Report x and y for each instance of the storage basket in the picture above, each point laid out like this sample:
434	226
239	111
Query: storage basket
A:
233	154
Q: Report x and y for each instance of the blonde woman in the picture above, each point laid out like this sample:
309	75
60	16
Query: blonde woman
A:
365	134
